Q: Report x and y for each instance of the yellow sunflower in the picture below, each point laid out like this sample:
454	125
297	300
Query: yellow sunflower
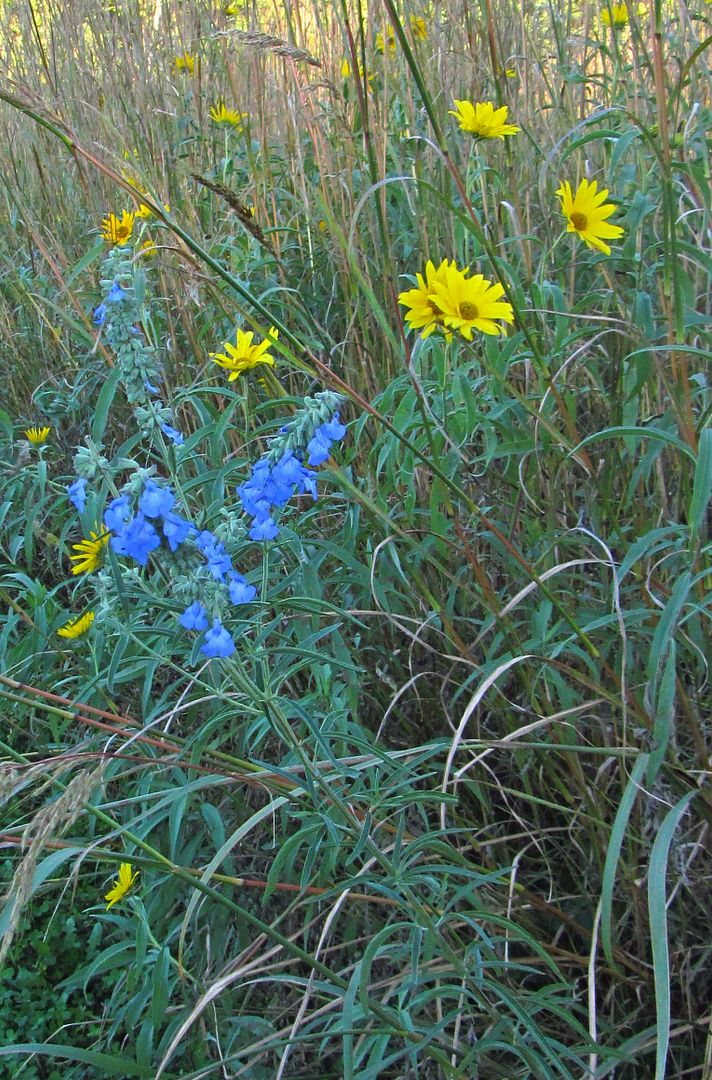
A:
127	877
221	115
387	41
117	230
615	15
243	355
89	553
586	214
76	627
37	435
420	30
423	315
482	120
184	64
468	304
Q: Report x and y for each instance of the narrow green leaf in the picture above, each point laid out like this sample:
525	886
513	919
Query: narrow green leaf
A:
702	485
657	909
110	1064
103	404
614	849
664	715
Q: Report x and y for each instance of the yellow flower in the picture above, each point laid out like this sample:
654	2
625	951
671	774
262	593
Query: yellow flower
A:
586	214
615	15
511	73
389	40
468	304
346	72
37	435
127	877
117	230
482	119
89	553
76	627
147	248
243	355
423	314
232	9
419	28
220	114
184	64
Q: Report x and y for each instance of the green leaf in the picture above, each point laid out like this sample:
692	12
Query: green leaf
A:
614	849
702	485
110	1064
103	404
664	716
657	909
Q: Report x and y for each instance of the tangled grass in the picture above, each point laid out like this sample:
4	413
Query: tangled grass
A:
389	748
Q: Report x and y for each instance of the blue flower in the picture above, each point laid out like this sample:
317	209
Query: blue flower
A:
170	432
175	529
333	429
136	539
205	540
240	591
156	501
115	294
318	448
217	561
217	641
151	388
77	494
99	315
263	529
117	513
195	617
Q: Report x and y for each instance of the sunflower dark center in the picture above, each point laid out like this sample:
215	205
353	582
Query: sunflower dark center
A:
579	220
468	310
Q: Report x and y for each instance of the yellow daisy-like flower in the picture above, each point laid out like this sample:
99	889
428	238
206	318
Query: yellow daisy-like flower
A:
468	304
76	627
89	553
243	355
586	214
37	435
615	15
389	41
420	30
184	64
117	230
147	248
126	879
423	315
220	114
482	119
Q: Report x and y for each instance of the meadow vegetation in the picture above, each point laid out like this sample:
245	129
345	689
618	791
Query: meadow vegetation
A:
355	583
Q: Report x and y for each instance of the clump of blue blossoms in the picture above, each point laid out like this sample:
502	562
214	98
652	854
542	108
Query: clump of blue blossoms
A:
145	520
140	527
276	477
